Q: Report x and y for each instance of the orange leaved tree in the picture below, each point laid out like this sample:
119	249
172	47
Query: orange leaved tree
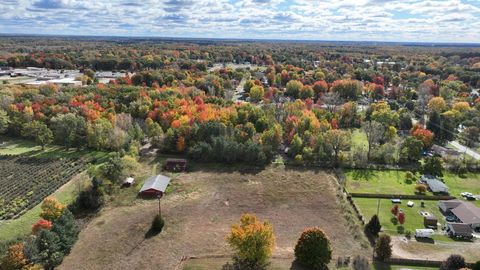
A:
252	240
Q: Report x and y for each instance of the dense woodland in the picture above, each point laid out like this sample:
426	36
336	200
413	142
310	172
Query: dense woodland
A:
307	98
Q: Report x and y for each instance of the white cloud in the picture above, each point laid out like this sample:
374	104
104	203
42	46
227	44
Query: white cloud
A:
391	20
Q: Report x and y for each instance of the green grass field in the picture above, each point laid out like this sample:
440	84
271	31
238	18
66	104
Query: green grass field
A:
377	181
393	182
413	219
359	139
18	146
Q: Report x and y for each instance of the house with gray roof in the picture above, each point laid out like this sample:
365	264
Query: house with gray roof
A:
434	185
465	212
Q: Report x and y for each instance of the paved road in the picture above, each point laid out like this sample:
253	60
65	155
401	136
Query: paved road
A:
464	149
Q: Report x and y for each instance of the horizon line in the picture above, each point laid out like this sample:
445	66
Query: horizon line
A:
241	39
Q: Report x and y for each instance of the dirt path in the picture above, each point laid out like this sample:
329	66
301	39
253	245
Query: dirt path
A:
199	213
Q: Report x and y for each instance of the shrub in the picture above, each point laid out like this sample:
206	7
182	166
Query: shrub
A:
454	262
394	210
476	266
313	248
41	224
14	258
360	263
252	241
373	227
383	248
421	188
409	177
51	209
157	224
401	218
408	234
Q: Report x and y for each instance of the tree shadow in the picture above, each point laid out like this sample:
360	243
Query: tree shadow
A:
151	233
363	174
425	240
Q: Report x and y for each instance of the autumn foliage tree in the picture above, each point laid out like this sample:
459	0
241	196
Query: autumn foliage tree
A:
383	247
51	209
252	240
394	210
424	135
14	258
401	218
41	224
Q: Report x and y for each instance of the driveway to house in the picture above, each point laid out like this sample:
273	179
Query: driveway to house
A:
464	149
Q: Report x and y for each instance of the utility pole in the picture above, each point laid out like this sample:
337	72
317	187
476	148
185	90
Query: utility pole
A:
378	207
159	206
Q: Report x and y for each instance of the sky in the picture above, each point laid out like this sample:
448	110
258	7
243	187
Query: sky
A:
352	20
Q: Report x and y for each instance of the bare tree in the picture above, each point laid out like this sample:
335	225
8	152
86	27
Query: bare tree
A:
331	100
374	132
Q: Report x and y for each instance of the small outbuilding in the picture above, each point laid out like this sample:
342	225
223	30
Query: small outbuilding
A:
155	185
128	182
430	222
175	164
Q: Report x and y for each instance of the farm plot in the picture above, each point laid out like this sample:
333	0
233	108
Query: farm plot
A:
199	210
26	181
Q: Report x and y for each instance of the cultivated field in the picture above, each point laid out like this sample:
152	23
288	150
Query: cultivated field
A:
200	209
26	181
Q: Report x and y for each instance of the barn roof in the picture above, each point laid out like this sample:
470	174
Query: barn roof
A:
450	204
434	184
156	182
460	228
468	213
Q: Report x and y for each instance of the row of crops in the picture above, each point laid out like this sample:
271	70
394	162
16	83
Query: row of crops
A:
26	181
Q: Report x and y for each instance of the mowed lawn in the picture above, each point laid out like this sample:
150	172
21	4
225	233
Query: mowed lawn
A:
393	182
19	146
378	181
413	218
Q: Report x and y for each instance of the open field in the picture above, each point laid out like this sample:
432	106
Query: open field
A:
199	212
16	146
393	182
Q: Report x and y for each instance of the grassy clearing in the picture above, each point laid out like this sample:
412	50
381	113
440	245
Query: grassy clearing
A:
378	181
17	228
17	146
359	139
413	219
393	182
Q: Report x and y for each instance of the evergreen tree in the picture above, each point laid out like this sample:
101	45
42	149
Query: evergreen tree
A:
66	230
373	227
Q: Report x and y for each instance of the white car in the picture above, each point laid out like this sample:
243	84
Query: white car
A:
466	194
410	204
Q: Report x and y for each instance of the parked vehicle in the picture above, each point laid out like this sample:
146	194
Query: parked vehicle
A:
424	233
